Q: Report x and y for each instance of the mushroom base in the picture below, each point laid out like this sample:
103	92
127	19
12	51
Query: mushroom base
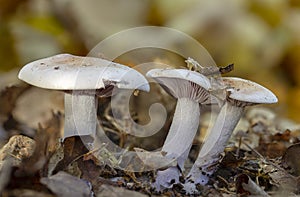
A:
209	155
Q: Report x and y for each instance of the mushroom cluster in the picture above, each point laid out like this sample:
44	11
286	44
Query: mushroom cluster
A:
84	78
192	89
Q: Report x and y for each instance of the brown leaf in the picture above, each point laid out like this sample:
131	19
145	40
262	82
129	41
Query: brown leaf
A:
73	149
285	136
46	141
272	150
291	159
8	98
91	172
25	193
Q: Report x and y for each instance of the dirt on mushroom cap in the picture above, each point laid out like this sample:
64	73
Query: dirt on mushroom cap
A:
248	91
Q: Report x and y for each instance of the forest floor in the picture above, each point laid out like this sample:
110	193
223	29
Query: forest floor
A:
262	158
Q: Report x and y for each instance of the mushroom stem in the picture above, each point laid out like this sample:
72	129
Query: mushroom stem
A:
80	114
183	130
215	143
179	141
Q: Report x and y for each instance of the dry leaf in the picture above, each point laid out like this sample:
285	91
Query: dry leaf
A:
245	186
46	142
17	148
74	149
291	159
284	181
65	185
111	191
26	193
272	150
8	98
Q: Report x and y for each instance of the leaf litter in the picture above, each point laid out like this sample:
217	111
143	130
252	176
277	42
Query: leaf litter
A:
261	158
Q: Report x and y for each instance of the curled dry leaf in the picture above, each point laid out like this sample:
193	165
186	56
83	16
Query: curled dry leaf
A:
245	186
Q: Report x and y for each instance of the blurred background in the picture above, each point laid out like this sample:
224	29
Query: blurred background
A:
261	37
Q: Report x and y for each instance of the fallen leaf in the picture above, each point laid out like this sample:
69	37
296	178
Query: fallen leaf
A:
291	159
272	150
73	149
8	99
245	186
9	96
26	193
65	185
46	142
284	181
18	148
111	191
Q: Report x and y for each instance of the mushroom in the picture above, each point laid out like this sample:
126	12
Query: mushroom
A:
81	78
240	93
190	88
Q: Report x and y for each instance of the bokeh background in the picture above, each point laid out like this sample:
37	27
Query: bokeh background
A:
261	37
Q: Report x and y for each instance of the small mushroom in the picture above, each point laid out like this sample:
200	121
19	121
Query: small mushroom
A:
190	88
240	93
81	78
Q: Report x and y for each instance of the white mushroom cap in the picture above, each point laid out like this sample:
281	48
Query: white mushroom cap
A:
69	72
248	92
182	83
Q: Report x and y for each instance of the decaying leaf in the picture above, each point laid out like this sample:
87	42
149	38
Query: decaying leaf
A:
9	96
46	142
111	191
26	193
57	156
8	99
18	148
74	150
246	186
291	159
284	181
65	185
272	149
